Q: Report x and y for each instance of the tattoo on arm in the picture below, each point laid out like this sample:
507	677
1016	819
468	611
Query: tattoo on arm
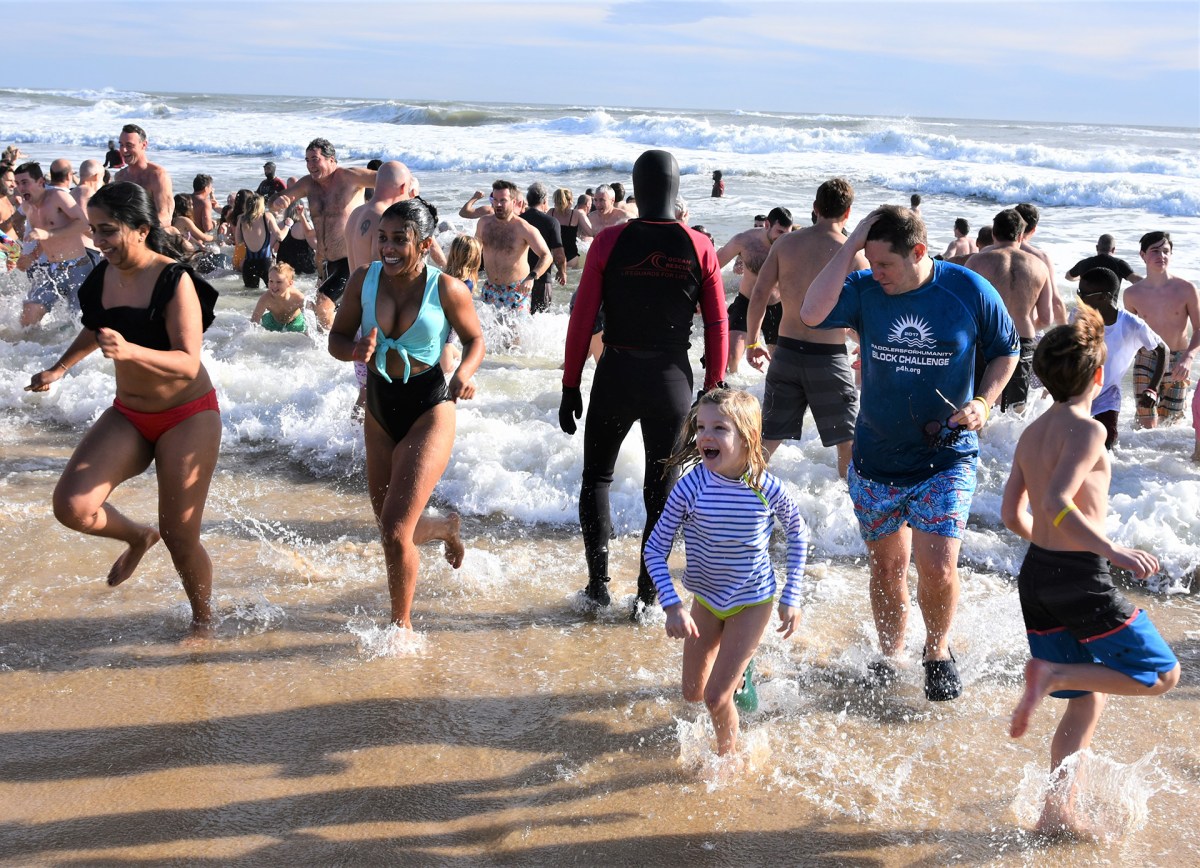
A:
364	227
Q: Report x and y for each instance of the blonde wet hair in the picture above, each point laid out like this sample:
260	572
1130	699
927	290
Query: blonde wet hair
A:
465	258
740	408
285	271
255	207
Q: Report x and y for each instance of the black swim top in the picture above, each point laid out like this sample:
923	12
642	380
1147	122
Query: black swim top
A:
144	326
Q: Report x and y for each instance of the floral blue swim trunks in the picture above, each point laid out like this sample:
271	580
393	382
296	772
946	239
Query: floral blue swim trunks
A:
938	505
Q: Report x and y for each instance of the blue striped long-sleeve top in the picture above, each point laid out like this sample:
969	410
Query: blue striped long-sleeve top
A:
727	528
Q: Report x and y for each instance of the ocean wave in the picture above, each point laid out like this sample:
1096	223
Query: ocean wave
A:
402	114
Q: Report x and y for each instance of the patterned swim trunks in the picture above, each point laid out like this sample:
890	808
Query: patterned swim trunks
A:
506	296
938	505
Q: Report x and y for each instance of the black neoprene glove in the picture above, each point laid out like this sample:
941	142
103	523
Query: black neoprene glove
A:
570	409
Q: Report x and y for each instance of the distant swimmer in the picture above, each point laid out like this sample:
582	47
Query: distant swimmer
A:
727	495
203	203
113	159
1170	306
281	307
270	186
920	322
537	205
650	274
333	192
506	240
260	232
1023	283
752	246
914	203
810	368
718	187
151	177
963	244
58	249
573	223
405	310
1086	640
1105	257
1030	214
1125	334
147	312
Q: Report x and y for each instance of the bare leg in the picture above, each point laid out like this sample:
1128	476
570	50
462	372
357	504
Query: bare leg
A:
769	447
737	349
325	309
185	458
1196	423
1074	733
937	589
111	452
32	314
1043	677
845	453
401	477
739	641
888	559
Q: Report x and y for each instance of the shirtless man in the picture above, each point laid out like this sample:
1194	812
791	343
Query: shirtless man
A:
1023	283
333	192
809	367
1169	305
1030	214
12	221
752	246
606	213
506	239
57	259
60	174
91	177
151	177
202	203
393	183
963	244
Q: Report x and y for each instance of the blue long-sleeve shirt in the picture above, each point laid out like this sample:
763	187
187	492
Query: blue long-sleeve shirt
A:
727	529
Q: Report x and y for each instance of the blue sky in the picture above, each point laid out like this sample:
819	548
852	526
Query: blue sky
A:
1120	62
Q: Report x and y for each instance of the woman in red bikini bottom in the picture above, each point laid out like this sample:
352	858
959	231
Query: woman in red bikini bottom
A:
146	312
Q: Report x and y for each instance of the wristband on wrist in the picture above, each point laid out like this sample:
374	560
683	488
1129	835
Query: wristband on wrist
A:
64	367
753	346
987	410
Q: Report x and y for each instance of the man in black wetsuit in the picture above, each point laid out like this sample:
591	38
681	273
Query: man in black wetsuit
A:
650	273
537	203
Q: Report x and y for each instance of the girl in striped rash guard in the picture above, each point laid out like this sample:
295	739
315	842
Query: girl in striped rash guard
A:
727	506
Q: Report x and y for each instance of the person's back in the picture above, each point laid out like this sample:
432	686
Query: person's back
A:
799	257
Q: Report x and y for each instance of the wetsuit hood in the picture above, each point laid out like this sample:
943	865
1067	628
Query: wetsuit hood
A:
656	185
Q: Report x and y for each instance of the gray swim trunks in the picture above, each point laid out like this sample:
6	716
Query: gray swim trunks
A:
802	375
56	281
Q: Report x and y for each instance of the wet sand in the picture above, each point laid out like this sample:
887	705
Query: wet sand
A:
516	729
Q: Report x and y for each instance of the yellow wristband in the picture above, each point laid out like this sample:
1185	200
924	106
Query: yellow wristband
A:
753	346
987	410
1058	518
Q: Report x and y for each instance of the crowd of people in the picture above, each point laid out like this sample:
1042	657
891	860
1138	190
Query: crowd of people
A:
941	342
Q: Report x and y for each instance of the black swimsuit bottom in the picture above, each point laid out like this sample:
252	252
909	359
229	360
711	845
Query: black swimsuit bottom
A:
397	406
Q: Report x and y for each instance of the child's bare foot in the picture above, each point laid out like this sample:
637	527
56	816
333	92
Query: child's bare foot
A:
124	566
1037	685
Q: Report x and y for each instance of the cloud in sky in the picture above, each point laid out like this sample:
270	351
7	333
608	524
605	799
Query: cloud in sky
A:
1050	60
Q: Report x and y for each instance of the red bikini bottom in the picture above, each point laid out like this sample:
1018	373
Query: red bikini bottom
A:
154	425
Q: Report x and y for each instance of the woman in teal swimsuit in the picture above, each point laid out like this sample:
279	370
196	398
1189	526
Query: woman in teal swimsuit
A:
406	308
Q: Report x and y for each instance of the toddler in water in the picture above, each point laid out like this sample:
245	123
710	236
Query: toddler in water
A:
1085	637
727	506
281	307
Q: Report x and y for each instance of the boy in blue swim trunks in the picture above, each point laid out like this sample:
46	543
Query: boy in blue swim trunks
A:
1086	639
